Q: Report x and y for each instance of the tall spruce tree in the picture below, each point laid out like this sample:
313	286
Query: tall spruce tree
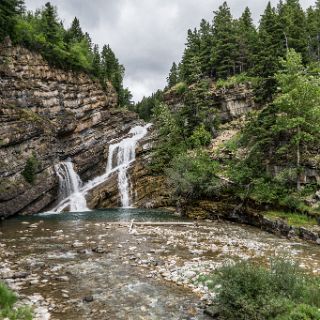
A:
173	77
96	61
9	10
75	34
191	52
269	48
246	38
224	43
109	63
206	43
298	116
50	25
313	29
293	24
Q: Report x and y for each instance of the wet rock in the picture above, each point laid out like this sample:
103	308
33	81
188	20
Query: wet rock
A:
88	299
84	251
35	225
190	274
20	275
212	311
62	278
77	244
100	250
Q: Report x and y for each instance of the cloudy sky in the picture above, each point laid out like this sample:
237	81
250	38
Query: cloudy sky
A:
146	35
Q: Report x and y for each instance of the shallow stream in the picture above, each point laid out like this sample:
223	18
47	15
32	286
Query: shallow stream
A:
100	265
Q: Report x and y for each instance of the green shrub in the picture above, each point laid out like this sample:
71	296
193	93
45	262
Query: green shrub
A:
283	292
235	80
301	312
7	297
29	172
200	137
192	175
7	309
180	88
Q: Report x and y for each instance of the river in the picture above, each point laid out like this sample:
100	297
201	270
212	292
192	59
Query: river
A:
100	265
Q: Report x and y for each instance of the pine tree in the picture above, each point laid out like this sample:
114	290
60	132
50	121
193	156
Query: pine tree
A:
88	41
293	23
313	29
191	52
206	43
246	38
109	63
298	116
173	77
197	109
224	48
9	10
50	25
75	34
96	61
269	48
196	72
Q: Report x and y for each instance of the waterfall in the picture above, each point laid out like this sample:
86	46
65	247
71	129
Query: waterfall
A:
69	191
120	157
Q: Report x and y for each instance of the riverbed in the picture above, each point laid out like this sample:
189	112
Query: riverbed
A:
128	263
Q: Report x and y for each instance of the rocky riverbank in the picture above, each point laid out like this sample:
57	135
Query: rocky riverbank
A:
236	212
86	268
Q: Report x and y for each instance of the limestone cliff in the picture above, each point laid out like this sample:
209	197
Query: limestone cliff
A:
50	115
230	103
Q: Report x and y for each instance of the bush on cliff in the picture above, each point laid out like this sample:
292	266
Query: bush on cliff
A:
283	292
30	169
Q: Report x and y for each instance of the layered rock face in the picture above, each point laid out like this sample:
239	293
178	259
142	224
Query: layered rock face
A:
48	115
231	103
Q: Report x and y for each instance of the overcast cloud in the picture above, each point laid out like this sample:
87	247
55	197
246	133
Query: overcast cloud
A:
146	35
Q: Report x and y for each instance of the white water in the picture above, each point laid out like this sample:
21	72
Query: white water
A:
121	156
69	192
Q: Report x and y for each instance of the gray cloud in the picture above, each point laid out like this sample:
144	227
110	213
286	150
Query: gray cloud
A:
146	35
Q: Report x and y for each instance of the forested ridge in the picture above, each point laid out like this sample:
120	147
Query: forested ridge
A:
68	48
266	161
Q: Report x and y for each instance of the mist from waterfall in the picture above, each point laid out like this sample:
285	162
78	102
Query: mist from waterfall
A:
121	155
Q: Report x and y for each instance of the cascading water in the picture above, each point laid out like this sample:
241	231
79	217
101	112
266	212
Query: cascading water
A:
69	192
121	156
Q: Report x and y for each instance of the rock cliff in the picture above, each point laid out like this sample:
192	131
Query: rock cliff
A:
231	103
48	115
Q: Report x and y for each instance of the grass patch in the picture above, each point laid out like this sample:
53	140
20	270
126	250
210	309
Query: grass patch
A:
7	308
292	219
235	80
282	292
